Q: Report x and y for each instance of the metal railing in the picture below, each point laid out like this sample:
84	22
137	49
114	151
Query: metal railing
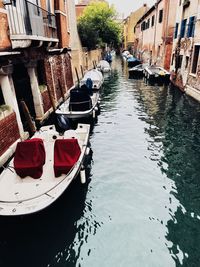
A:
26	18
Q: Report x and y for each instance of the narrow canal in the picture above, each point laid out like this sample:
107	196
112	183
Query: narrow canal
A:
141	206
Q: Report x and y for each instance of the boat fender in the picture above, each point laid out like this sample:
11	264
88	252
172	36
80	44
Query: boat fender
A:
63	122
87	151
82	175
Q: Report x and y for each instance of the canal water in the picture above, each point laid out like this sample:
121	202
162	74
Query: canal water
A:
141	205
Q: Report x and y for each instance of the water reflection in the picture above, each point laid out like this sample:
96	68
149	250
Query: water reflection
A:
173	127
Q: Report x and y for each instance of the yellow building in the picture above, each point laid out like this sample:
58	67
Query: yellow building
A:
129	25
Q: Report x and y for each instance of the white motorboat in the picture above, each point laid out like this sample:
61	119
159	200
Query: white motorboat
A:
80	104
103	66
96	77
42	169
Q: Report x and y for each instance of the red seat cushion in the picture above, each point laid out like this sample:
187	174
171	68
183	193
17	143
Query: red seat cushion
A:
29	158
66	154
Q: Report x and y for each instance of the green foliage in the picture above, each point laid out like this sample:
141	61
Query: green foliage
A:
97	26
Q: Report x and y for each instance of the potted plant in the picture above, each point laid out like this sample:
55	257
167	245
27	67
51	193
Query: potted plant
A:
5	110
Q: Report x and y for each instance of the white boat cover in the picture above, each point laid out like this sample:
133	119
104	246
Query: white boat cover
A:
103	64
94	75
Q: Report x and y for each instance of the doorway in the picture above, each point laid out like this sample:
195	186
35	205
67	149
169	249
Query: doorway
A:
23	91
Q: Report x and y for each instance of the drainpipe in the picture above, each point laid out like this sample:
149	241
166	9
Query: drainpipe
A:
154	41
178	47
167	4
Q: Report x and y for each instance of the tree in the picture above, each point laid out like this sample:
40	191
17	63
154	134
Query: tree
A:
97	26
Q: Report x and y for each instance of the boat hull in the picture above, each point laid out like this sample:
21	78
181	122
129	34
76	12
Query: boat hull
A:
27	196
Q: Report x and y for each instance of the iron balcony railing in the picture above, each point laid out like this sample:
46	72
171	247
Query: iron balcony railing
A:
27	18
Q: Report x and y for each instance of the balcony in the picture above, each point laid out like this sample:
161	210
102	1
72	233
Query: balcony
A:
29	23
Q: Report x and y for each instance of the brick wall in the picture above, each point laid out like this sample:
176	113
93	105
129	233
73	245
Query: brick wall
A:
9	132
68	71
58	75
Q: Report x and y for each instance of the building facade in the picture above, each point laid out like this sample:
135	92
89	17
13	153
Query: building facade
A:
185	61
154	33
35	66
129	25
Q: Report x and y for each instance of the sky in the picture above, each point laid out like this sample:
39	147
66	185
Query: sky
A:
125	7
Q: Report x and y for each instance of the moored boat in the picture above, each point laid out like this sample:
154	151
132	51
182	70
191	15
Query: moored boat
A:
42	169
125	55
96	77
137	71
80	104
156	74
103	66
133	61
108	57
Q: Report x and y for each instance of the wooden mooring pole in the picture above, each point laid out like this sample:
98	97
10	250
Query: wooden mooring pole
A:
53	104
82	71
61	90
77	76
31	123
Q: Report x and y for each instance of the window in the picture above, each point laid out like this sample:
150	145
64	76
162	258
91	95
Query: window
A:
176	31
36	8
195	58
186	62
180	59
143	26
172	62
160	16
183	28
191	27
152	21
41	72
180	2
148	23
48	5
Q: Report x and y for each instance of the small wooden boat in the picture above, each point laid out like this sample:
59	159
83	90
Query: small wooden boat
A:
156	74
103	66
96	77
80	104
42	169
137	71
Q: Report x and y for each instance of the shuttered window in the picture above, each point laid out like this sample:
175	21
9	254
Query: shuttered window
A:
195	59
183	28
152	21
176	31
191	27
160	16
